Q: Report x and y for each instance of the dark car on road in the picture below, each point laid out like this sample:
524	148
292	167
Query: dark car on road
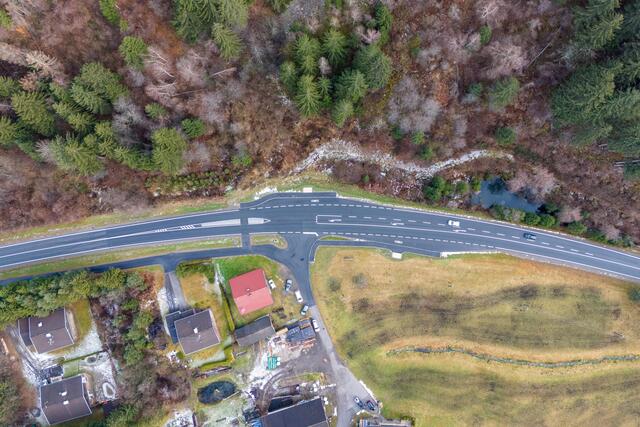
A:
371	405
530	236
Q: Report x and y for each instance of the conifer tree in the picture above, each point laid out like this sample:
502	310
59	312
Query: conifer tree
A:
289	76
133	50
374	64
307	54
351	85
334	47
32	109
342	110
227	41
233	13
8	87
168	146
9	131
71	155
308	96
503	92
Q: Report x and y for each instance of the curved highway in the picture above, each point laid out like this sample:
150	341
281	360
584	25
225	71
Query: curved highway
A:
314	215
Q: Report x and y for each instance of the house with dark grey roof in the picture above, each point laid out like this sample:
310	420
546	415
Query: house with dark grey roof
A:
300	333
197	332
255	331
305	414
46	333
64	400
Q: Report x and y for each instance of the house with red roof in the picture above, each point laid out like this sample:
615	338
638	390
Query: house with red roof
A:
250	291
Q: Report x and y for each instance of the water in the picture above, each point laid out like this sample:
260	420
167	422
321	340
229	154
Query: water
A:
494	192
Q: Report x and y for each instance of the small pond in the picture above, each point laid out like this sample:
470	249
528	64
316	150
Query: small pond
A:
216	391
494	192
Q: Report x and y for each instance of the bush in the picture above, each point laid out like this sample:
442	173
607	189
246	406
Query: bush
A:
435	190
476	184
503	93
133	50
476	89
155	111
417	138
5	19
279	6
531	218
634	294
426	153
505	136
334	284
193	128
632	172
462	187
577	227
547	220
485	34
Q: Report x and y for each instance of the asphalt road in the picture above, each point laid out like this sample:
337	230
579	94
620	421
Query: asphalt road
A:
314	215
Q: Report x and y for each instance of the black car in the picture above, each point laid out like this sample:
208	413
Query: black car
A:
530	236
358	402
371	405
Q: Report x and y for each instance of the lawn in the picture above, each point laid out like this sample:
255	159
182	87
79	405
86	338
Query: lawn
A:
494	305
268	239
118	255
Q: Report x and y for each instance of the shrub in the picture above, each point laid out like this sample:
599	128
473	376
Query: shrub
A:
632	172
485	34
476	184
503	92
577	227
193	127
133	50
435	190
5	19
476	89
279	6
155	111
397	133
426	153
634	294
547	220
505	136
417	137
462	187
334	284
531	218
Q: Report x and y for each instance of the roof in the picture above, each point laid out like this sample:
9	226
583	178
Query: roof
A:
305	414
64	400
51	332
300	332
171	320
255	331
250	291
197	332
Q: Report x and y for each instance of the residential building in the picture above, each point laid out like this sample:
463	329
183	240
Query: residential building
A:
250	291
255	331
64	400
197	332
46	333
304	414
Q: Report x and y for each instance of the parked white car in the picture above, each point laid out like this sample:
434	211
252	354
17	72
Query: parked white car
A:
272	284
299	297
453	223
316	327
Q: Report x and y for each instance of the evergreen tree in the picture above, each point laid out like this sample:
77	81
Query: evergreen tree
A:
627	66
623	105
417	137
631	25
505	136
80	121
580	99
342	111
503	92
103	81
625	139
289	76
384	19
227	41
599	33
334	47
279	6
351	85
233	13
307	54
32	109
155	111
133	49
110	11
375	65
324	88
71	155
308	96
9	131
168	147
191	18
8	87
89	99
193	128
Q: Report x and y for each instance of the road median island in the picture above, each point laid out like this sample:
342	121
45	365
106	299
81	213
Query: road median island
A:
481	338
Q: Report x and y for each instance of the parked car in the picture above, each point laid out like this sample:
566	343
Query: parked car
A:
316	327
272	284
453	223
358	402
299	297
287	285
371	406
304	310
530	236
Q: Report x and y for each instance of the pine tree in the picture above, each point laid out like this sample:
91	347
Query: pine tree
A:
233	13
32	109
503	93
70	154
168	147
193	128
307	54
289	76
580	99
133	50
8	87
334	47
384	18
227	41
375	65
308	96
351	85
9	131
342	110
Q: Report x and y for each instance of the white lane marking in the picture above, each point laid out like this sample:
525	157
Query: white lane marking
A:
352	216
426	222
558	246
367	217
501	234
411	220
574	250
515	237
442	225
545	243
589	253
382	218
486	232
471	229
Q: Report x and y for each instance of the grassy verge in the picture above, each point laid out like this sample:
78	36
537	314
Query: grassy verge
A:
118	255
268	239
490	304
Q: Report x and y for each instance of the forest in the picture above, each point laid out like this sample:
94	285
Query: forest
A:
124	105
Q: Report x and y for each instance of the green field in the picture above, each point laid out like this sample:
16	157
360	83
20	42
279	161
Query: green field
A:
396	322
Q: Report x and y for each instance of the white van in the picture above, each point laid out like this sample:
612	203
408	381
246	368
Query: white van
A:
298	296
